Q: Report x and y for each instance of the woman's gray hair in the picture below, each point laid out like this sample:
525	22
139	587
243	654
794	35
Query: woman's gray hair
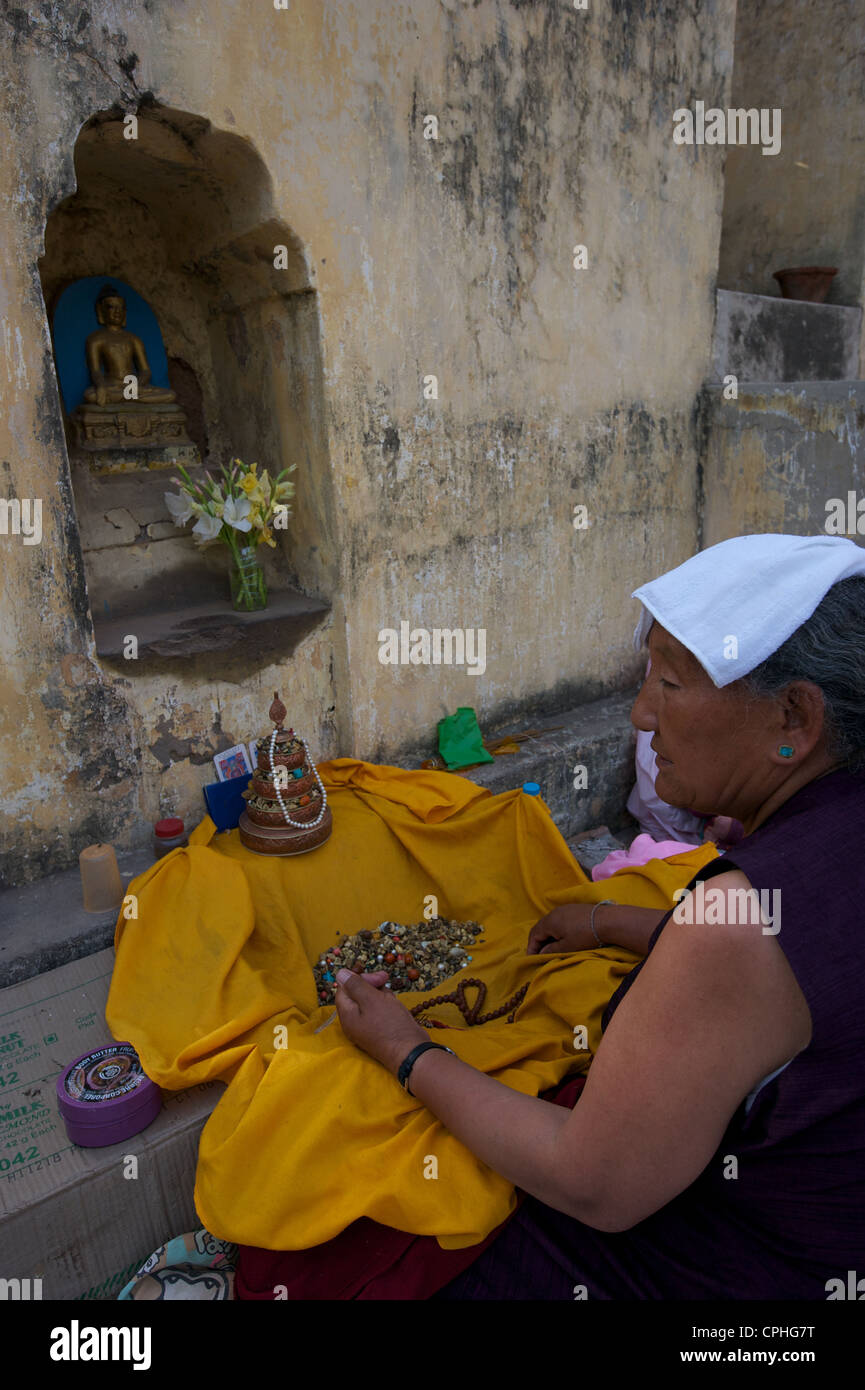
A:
828	649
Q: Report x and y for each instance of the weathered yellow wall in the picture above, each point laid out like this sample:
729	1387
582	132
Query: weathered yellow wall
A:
777	456
452	257
805	205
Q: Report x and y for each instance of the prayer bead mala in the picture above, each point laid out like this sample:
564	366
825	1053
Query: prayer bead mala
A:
470	1012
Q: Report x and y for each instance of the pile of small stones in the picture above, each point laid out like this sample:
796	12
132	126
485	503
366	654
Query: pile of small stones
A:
418	957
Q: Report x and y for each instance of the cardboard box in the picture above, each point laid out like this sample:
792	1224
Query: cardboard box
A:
82	1220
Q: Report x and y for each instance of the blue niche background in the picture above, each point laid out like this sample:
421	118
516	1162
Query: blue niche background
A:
75	319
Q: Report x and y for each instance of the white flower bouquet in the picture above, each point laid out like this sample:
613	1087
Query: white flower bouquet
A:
242	509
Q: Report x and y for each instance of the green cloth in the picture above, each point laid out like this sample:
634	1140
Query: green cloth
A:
460	742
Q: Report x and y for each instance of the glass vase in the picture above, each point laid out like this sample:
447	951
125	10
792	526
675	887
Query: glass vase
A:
248	587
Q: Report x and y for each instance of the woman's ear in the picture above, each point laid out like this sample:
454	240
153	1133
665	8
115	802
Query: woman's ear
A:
804	713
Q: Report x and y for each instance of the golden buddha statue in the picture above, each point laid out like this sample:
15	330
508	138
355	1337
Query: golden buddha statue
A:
114	354
121	409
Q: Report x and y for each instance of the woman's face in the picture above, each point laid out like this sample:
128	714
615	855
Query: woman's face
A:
711	744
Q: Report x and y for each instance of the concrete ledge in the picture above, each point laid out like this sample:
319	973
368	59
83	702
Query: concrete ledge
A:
598	736
761	337
191	627
43	925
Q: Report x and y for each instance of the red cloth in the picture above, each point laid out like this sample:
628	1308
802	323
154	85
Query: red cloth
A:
367	1260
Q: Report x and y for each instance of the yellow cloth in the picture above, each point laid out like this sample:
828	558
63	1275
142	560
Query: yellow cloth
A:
310	1136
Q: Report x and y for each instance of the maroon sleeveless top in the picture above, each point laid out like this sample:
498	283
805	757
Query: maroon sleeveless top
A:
794	1216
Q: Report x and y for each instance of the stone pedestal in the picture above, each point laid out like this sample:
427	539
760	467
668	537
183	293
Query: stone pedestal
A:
130	425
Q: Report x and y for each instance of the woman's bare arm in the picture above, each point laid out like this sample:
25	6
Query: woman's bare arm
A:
569	928
617	924
714	1010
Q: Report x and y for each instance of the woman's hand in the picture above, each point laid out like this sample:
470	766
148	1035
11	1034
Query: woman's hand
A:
566	928
375	1020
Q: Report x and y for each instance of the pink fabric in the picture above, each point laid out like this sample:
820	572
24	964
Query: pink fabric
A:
641	851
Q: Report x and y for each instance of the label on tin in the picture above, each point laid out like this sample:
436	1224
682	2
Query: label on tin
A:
105	1074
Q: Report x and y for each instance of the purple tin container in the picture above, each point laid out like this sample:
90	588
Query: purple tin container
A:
104	1096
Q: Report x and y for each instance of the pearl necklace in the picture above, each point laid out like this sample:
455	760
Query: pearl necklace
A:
305	824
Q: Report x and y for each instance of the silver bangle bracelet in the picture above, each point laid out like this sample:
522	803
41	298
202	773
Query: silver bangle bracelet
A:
607	902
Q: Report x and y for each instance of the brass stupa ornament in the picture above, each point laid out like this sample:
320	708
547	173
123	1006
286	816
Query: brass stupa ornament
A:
286	803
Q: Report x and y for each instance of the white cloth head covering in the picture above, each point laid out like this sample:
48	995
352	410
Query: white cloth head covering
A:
758	589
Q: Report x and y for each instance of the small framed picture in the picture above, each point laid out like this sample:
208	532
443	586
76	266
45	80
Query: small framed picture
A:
234	762
253	753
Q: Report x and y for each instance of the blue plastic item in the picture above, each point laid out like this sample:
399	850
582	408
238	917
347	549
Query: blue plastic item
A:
532	788
224	801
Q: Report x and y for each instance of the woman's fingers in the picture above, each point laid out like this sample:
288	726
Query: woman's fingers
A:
543	944
376	978
539	936
353	990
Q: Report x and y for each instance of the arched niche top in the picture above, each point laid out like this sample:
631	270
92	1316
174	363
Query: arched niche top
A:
208	190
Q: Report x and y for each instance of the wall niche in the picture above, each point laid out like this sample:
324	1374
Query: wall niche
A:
183	215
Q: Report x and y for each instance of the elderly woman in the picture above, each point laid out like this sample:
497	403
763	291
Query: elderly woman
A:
716	1149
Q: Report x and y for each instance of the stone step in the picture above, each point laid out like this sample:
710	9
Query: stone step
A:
591	847
598	737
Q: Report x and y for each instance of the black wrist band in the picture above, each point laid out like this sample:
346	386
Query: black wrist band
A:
404	1072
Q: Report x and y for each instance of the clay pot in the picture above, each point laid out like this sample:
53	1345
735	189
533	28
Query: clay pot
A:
809	282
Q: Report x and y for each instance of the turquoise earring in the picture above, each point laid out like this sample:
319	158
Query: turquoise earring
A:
786	751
